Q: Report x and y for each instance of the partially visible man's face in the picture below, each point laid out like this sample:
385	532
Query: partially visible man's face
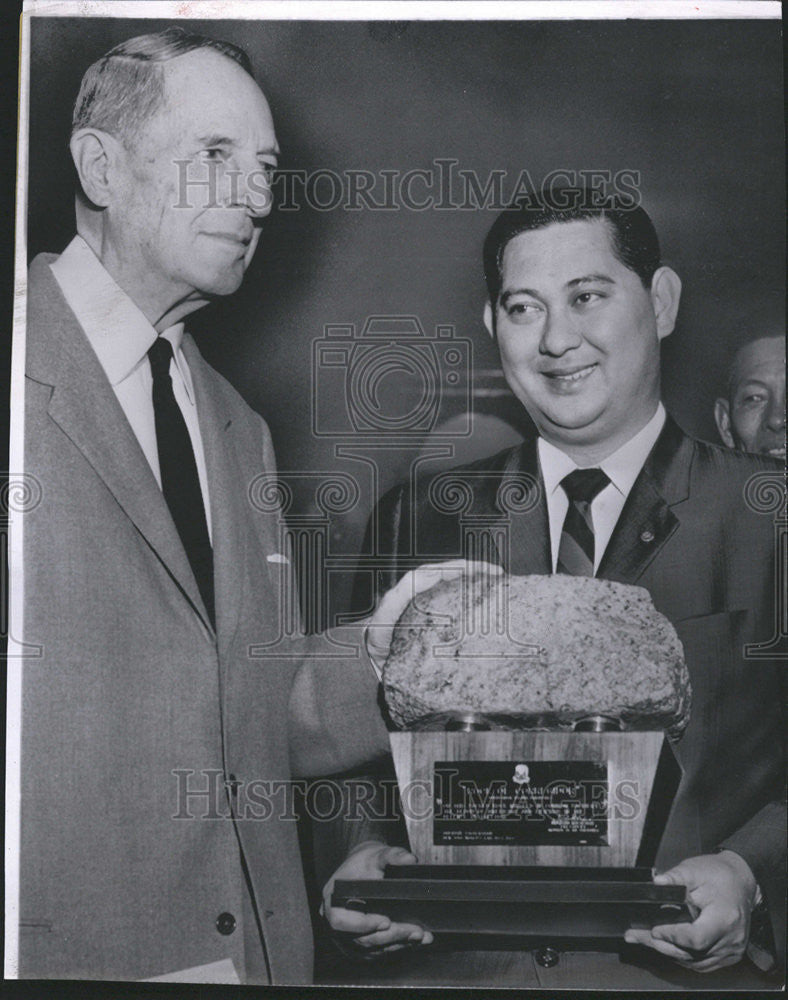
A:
215	118
753	416
578	336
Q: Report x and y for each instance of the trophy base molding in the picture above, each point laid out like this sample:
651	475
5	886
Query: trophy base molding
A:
487	907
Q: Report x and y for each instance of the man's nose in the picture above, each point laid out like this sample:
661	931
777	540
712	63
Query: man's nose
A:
560	333
248	185
775	417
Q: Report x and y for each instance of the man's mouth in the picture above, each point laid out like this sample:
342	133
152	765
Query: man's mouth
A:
776	452
576	373
240	239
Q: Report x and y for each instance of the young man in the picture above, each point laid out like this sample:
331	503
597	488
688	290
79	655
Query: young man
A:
579	303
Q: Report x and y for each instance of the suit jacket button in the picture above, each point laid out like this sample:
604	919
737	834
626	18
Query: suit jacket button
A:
547	957
225	923
647	536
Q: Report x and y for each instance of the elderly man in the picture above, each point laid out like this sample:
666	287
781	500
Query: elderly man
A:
579	303
167	683
751	416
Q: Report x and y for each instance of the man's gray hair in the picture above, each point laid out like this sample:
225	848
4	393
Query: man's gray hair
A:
124	88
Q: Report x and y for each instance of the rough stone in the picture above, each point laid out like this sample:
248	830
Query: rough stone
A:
541	651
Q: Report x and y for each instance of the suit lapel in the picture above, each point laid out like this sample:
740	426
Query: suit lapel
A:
646	522
524	538
648	519
228	490
85	407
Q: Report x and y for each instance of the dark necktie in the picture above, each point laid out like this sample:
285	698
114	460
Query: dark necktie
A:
180	482
576	551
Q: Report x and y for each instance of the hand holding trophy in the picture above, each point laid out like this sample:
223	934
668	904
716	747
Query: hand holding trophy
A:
535	718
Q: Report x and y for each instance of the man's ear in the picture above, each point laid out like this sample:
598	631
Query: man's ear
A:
722	417
665	295
489	319
95	154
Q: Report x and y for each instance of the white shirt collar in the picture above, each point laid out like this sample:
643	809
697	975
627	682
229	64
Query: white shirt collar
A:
117	330
622	467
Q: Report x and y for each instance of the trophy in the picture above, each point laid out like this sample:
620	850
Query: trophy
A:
536	717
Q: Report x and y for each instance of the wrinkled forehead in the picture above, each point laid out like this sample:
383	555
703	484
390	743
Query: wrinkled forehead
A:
207	92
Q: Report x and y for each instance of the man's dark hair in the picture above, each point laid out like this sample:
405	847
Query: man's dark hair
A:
124	88
632	232
734	356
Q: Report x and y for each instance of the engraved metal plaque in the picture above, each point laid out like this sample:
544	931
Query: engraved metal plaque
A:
529	802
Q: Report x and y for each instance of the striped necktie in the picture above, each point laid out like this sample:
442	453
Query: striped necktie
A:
576	551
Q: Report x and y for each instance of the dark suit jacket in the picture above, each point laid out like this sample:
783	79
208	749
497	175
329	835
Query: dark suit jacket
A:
687	535
136	700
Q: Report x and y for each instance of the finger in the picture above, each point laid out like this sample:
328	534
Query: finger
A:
397	856
722	949
421	579
352	922
428	576
397	933
367	956
643	937
430	573
671	877
380	625
712	963
707	931
684	936
407	944
465	565
405	934
382	622
481	566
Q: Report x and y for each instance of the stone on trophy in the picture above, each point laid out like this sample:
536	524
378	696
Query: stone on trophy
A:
538	651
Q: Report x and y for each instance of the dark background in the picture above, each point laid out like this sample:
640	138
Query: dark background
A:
696	107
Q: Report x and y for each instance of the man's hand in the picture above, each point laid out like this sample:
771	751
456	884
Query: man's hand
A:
380	625
372	934
723	888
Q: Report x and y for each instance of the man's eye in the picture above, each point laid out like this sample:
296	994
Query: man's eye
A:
268	169
214	154
752	399
585	298
521	310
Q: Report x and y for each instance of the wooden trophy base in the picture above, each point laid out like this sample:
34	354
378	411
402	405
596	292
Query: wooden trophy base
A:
558	799
529	836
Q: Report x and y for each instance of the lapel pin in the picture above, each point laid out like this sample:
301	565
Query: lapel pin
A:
647	536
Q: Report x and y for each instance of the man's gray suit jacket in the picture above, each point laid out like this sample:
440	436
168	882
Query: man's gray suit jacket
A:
136	704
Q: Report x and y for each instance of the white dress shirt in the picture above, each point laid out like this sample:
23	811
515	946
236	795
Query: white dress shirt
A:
622	469
121	335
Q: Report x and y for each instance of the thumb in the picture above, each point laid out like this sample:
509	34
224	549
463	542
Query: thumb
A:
671	877
396	856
